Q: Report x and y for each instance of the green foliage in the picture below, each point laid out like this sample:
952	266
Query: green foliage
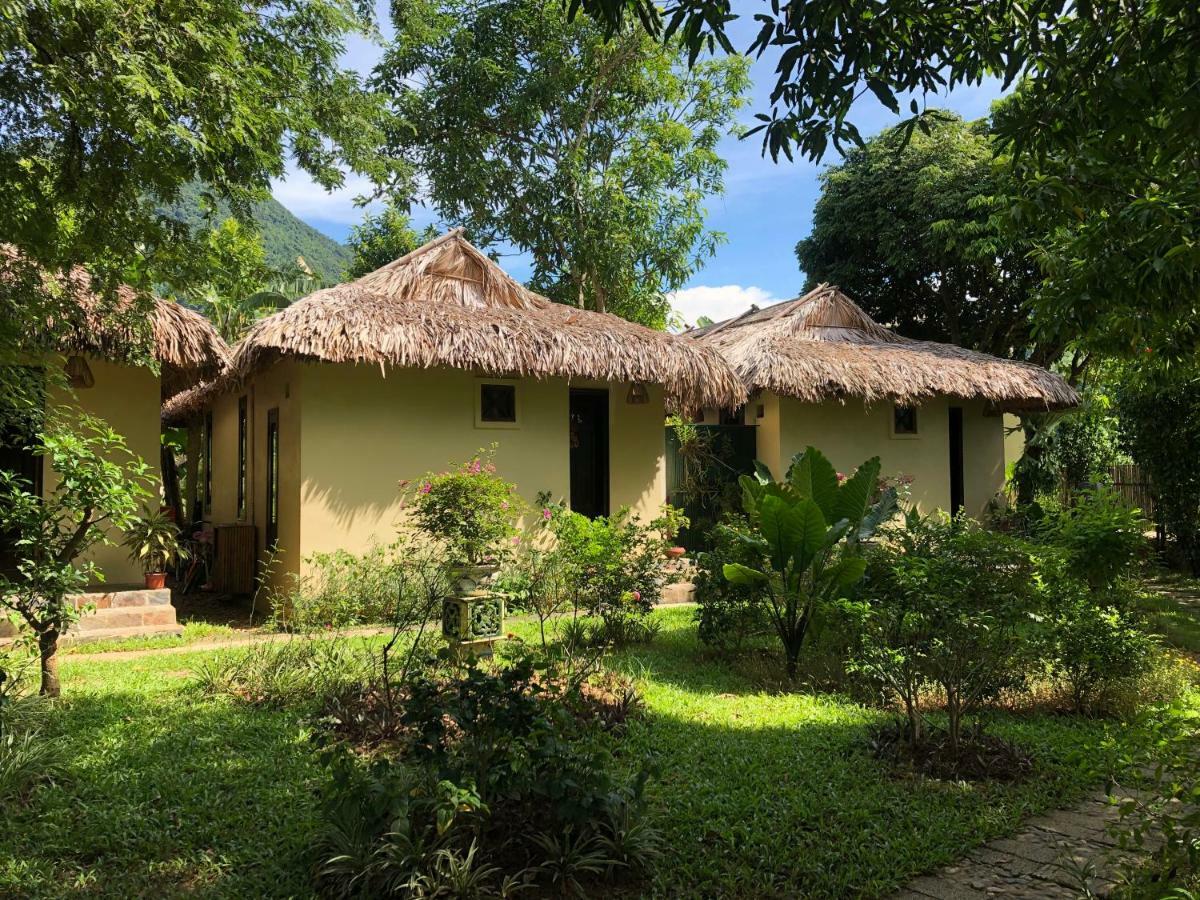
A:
153	540
806	530
947	604
28	756
382	238
910	226
302	671
471	509
1086	442
593	156
98	483
492	767
1100	536
613	568
216	92
727	613
1095	643
1159	411
289	244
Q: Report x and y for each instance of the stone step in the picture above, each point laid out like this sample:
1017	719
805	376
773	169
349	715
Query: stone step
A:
123	597
125	617
109	634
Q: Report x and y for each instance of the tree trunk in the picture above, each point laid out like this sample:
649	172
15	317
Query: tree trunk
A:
48	651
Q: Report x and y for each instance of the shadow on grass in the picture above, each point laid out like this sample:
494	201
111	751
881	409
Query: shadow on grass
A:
167	795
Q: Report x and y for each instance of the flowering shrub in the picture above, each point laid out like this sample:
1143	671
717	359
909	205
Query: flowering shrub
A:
471	509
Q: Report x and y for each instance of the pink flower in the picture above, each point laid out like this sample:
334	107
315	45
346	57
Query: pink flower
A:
516	541
426	487
475	467
546	514
504	504
637	595
404	482
490	468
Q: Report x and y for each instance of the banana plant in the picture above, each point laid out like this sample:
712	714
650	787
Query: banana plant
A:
807	529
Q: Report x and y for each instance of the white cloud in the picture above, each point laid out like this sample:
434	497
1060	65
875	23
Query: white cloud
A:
718	302
308	200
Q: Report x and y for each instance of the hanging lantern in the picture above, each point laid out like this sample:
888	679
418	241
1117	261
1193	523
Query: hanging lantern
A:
79	373
637	394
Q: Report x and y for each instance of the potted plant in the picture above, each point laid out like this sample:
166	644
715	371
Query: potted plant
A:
670	522
153	542
473	513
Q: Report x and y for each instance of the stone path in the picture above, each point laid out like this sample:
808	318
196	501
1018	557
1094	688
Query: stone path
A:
1062	854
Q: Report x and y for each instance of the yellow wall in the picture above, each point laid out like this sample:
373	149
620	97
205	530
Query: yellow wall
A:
852	432
128	399
1014	439
364	432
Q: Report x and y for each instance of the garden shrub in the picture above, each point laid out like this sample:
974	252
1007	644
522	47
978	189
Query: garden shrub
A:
344	589
727	613
471	509
1100	535
28	754
948	604
299	671
489	772
613	568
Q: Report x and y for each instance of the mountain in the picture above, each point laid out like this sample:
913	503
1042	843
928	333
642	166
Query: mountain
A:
284	236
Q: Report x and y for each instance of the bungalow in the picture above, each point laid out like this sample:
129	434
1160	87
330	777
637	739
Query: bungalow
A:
332	401
105	378
820	371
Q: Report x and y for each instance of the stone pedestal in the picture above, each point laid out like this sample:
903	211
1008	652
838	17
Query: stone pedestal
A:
118	613
473	618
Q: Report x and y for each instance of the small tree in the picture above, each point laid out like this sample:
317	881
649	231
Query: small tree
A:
99	483
807	529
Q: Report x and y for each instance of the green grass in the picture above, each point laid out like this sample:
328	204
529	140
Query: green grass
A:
169	793
1172	610
193	633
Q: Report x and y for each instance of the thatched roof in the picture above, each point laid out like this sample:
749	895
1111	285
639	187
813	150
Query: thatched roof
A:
185	344
822	346
447	304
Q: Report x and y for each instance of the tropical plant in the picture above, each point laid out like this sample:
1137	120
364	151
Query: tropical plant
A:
807	529
1100	535
470	509
727	614
382	238
153	541
98	483
595	157
949	604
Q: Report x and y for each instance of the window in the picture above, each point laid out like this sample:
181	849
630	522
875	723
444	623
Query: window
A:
497	405
272	498
904	421
241	457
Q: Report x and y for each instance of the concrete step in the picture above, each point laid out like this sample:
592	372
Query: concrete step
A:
126	617
109	634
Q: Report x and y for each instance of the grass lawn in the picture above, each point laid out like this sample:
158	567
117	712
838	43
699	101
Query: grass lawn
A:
172	794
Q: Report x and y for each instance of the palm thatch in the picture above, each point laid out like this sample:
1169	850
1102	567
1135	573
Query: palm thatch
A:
823	346
447	304
120	325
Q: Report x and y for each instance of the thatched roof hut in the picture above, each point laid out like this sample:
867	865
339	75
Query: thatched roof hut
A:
823	346
80	320
446	304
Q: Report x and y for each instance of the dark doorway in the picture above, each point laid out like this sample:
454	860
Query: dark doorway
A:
956	460
272	498
18	438
589	452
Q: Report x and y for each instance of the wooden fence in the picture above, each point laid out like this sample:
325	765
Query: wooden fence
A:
1134	487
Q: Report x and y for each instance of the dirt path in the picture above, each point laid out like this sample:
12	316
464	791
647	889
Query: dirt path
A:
1062	854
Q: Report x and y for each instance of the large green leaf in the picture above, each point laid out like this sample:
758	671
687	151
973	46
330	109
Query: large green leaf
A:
762	473
782	528
812	529
847	571
812	476
855	493
736	573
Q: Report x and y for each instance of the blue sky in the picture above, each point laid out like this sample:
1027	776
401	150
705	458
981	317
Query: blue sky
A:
767	207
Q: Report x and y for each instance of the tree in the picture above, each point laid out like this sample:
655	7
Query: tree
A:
910	230
593	156
1101	135
98	484
382	238
807	530
238	287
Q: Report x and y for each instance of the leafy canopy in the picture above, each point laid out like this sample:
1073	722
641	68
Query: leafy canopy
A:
1101	133
382	238
593	156
912	231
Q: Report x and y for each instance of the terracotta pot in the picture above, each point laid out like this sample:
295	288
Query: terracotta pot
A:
675	552
156	581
